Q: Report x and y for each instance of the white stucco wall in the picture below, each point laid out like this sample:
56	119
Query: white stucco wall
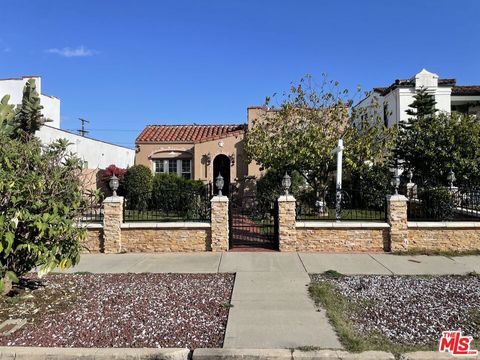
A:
14	88
96	153
390	100
404	97
371	107
399	99
443	96
51	109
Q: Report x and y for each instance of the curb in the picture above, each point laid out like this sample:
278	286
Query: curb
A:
244	354
44	353
285	354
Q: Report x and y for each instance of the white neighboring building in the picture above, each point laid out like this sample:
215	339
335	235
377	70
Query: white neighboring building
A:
96	154
14	88
390	103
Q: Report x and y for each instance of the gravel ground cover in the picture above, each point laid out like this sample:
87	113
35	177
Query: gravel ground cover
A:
120	310
409	310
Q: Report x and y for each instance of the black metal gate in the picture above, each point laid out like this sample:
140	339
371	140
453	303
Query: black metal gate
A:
253	222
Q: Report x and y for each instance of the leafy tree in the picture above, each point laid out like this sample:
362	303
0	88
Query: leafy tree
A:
269	186
369	184
29	117
137	186
432	145
40	200
41	195
302	132
437	203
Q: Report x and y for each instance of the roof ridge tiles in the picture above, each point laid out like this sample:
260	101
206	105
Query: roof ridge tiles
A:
188	133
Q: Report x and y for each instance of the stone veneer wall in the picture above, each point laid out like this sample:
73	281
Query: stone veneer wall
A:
327	237
219	224
93	242
397	218
166	239
112	223
287	231
444	236
397	235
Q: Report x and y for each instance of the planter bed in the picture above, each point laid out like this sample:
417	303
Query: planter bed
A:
120	310
398	313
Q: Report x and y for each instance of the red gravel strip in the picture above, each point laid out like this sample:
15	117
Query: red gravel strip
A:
129	310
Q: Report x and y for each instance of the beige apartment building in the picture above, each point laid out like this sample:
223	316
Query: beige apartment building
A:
200	152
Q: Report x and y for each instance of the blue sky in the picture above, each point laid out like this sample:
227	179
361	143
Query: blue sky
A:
125	64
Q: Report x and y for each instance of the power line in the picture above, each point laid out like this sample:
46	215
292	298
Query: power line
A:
112	130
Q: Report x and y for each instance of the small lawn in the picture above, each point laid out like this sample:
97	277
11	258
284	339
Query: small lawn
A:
120	310
398	313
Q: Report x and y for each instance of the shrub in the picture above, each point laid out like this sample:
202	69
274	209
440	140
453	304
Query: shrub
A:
437	203
171	193
137	186
41	197
372	185
113	170
40	192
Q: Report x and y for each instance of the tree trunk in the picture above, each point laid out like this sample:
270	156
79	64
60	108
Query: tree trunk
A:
7	285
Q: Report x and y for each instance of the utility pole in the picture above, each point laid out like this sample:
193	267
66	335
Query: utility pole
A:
82	131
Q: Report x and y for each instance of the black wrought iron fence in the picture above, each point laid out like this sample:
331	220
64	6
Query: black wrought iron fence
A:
92	211
444	204
169	205
355	205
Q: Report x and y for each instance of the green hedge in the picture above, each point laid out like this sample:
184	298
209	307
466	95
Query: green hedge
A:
174	193
437	203
137	186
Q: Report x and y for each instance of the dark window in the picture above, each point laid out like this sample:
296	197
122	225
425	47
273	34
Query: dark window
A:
187	169
172	166
159	166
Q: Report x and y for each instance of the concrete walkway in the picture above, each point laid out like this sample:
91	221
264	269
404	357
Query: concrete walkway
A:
271	307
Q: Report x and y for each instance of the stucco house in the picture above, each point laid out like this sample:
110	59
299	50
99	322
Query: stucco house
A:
391	102
199	152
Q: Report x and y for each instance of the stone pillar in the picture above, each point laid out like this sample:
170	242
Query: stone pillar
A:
112	224
397	218
287	230
219	223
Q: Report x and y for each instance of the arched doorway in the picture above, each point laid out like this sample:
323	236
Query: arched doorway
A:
221	165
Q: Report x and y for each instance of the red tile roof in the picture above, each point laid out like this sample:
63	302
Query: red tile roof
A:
188	133
466	90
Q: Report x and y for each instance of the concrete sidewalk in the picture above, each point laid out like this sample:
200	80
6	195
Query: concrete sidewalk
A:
271	306
378	263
